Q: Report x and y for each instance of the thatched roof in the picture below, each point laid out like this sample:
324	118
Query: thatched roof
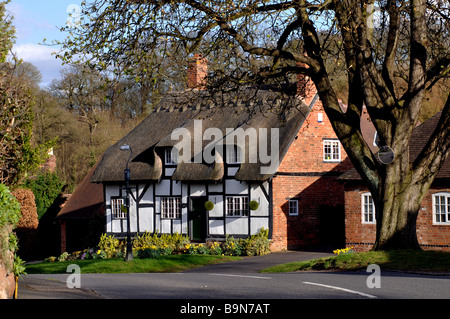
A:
250	109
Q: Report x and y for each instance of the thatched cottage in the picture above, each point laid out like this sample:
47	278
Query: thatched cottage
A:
254	168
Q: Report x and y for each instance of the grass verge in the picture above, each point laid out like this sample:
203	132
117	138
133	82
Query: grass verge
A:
172	263
419	261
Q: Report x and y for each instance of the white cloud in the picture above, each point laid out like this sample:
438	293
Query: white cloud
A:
40	56
31	52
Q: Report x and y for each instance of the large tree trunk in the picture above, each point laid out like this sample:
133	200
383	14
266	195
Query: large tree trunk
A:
397	211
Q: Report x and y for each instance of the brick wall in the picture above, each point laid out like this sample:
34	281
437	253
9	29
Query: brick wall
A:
303	175
197	72
362	236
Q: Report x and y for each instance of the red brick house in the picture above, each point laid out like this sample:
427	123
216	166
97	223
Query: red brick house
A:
308	199
433	221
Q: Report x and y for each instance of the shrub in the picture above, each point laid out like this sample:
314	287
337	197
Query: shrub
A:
9	208
232	246
26	199
46	189
257	245
9	217
153	252
63	256
109	245
26	229
175	241
215	249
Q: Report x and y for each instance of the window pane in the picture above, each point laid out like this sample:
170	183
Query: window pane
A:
116	208
237	205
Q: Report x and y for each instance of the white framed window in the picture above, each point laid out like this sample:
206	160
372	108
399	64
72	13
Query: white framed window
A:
293	207
170	156
237	205
441	208
116	208
233	154
331	150
368	209
171	207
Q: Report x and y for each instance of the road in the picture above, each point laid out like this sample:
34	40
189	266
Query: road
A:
209	285
240	282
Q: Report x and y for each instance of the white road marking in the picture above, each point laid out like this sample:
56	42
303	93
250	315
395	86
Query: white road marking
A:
240	276
340	288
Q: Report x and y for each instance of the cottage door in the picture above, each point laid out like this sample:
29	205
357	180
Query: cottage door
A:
198	219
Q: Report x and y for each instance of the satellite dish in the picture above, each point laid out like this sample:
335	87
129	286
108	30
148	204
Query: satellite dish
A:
386	155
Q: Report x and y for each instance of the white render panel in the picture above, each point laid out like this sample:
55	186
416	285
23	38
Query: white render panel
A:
257	194
163	188
235	187
198	190
184	193
258	223
148	196
176	188
146	219
217	211
176	227
169	171
232	171
184	221
111	191
237	225
157	214
218	188
216	227
165	226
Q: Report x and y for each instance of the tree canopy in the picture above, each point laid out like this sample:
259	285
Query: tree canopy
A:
390	51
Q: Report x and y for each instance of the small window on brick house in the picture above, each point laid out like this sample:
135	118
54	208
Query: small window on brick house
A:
331	151
441	208
368	209
293	207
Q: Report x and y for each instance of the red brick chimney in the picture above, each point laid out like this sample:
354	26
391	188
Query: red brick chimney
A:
197	72
306	88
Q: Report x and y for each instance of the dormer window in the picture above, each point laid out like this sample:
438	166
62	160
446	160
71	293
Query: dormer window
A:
170	156
233	154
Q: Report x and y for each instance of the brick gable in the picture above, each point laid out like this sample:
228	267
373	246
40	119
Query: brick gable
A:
304	176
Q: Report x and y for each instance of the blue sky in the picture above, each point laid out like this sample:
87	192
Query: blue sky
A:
36	20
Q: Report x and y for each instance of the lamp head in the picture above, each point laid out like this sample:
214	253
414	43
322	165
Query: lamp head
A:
125	148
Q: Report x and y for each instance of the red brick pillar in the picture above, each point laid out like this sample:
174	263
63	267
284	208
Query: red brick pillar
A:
63	236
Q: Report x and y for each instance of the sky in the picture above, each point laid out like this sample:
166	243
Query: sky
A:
36	20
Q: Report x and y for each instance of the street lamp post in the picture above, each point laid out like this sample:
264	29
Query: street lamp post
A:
129	254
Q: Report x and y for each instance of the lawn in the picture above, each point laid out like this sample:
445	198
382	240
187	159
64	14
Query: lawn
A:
418	261
172	263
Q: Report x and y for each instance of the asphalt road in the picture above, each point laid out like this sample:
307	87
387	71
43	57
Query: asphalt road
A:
239	281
